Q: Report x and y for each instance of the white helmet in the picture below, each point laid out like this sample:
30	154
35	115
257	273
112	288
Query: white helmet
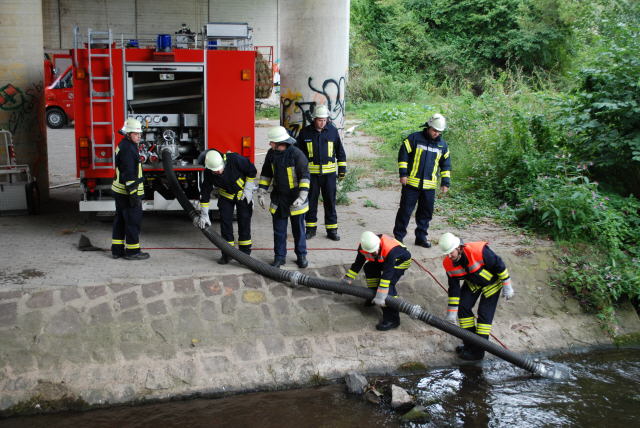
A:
448	242
369	241
437	122
131	125
213	161
321	112
279	134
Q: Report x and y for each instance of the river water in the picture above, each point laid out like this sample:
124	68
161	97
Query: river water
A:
604	390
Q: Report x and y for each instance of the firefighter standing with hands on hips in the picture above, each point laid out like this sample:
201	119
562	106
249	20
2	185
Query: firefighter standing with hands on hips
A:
128	190
286	168
321	144
234	176
484	275
385	260
420	157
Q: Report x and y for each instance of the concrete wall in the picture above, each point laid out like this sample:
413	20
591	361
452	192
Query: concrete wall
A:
21	87
150	17
120	342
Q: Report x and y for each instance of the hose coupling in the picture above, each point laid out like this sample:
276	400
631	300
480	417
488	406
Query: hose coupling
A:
415	311
295	277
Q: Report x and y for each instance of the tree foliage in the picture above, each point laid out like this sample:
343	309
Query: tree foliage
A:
465	39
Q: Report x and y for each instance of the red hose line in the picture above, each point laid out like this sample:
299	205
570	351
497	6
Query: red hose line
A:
322	249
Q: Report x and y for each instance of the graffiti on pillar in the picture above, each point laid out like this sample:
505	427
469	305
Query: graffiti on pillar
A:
333	92
21	104
290	111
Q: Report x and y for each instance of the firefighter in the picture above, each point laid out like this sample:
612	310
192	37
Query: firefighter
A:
128	190
483	274
286	168
385	260
420	157
320	142
234	176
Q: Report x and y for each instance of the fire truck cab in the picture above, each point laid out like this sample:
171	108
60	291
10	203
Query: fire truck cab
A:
189	98
59	100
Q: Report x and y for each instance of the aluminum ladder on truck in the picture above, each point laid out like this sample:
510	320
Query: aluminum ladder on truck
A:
99	117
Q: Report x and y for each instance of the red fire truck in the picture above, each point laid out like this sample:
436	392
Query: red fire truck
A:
190	96
58	91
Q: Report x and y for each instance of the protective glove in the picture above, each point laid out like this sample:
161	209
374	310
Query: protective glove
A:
262	194
203	220
302	197
507	292
452	315
381	296
247	192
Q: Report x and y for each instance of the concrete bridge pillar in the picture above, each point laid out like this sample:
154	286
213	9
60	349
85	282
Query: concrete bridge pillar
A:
314	58
21	85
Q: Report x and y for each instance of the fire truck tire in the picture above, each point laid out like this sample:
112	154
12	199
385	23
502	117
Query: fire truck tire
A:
33	198
56	118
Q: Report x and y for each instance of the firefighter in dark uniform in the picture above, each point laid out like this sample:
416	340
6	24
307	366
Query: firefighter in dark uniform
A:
420	157
234	176
385	260
483	274
128	190
286	168
321	144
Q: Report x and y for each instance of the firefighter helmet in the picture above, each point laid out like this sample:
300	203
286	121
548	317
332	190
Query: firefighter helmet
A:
437	122
321	112
279	134
213	161
369	241
448	242
131	125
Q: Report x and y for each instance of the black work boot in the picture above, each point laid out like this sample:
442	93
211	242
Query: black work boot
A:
387	325
277	262
423	243
137	256
333	234
302	262
471	354
311	232
223	260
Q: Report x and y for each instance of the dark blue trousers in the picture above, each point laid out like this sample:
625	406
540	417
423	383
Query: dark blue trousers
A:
126	227
424	213
325	184
244	212
280	235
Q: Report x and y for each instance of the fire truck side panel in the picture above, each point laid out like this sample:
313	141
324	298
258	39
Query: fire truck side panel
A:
230	101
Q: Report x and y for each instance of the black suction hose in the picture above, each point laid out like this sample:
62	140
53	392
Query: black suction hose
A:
297	278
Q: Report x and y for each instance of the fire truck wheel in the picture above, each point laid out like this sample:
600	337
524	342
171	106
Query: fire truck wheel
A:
33	198
56	118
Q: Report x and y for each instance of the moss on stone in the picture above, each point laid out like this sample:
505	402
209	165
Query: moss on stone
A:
412	367
627	339
37	404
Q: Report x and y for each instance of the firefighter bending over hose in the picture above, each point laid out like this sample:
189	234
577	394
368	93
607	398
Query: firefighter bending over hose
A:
128	190
234	176
385	260
483	274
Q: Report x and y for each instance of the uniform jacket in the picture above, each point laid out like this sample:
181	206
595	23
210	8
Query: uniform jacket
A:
238	171
420	158
128	179
479	267
323	149
288	172
392	255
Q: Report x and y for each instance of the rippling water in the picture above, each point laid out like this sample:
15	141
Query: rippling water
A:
604	391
